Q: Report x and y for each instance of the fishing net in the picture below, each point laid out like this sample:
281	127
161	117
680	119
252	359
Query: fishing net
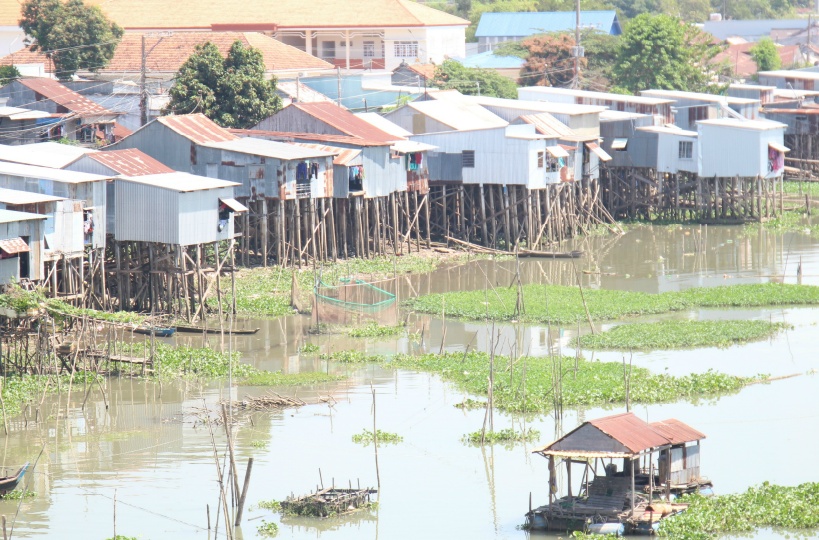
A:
353	301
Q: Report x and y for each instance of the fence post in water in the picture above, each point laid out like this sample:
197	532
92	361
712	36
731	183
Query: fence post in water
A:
375	444
243	496
5	533
115	514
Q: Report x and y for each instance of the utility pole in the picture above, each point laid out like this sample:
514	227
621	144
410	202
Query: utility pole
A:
576	50
338	74
143	91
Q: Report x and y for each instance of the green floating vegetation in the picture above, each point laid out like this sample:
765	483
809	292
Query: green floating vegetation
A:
258	444
767	505
384	437
268	529
309	348
679	335
22	300
503	436
529	385
564	305
788	221
266	291
18	390
272	505
375	330
352	357
121	537
801	188
18	494
470	404
277	378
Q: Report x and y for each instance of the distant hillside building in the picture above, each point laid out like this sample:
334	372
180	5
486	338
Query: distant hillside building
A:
495	28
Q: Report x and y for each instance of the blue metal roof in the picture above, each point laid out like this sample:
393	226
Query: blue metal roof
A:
489	60
752	30
527	23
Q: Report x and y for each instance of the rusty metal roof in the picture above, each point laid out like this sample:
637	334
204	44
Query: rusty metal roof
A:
197	127
622	434
343	156
130	162
317	137
677	432
62	95
344	121
13	246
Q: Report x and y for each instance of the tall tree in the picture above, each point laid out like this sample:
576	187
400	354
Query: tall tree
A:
550	61
75	36
232	91
471	81
766	55
662	52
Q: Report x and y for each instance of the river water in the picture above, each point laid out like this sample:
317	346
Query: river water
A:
144	446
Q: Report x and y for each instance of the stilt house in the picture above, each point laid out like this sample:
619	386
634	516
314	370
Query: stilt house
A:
21	239
731	148
661	107
691	107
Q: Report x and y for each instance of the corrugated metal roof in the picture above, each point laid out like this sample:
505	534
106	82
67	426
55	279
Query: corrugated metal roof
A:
181	182
601	154
526	23
756	125
459	115
300	91
604	96
407	147
634	433
791	74
16	113
10	216
234	205
46	154
522	104
197	128
47	173
343	120
546	124
265	148
62	95
130	162
15	197
343	156
698	96
384	125
752	30
319	137
668	129
489	60
626	429
677	432
13	246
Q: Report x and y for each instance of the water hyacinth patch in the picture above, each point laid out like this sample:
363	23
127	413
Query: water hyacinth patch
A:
384	437
788	507
530	387
679	335
375	330
564	305
502	436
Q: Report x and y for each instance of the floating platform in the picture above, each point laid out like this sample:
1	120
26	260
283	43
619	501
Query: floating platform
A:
327	502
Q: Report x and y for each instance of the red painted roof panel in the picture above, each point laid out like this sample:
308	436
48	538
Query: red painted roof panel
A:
630	431
61	95
344	121
197	127
677	432
130	162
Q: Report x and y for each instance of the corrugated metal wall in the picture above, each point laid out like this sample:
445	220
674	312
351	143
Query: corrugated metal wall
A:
146	213
162	144
9	270
727	151
199	217
292	119
445	167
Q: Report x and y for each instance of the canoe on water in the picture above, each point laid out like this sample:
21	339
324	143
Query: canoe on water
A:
214	330
8	483
158	331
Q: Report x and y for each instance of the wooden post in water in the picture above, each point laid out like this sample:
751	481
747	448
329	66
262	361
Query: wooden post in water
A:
243	496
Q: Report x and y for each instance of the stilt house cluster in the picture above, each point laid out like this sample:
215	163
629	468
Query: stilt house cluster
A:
150	221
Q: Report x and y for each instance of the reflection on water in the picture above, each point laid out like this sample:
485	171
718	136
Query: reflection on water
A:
147	449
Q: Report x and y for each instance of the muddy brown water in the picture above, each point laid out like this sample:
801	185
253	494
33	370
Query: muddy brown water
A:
149	451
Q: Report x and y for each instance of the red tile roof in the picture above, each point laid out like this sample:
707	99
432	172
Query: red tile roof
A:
168	53
260	14
427	71
738	56
343	120
280	135
61	95
677	432
129	162
197	127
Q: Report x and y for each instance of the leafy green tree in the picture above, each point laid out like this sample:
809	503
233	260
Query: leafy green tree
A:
471	81
766	55
75	36
662	52
8	74
231	91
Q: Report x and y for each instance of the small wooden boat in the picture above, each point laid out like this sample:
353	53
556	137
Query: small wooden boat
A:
214	330
158	331
8	483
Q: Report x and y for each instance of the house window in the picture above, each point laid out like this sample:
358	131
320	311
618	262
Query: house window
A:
468	159
686	149
369	49
541	157
406	49
328	49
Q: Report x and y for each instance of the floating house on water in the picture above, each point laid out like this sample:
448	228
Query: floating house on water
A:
614	467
